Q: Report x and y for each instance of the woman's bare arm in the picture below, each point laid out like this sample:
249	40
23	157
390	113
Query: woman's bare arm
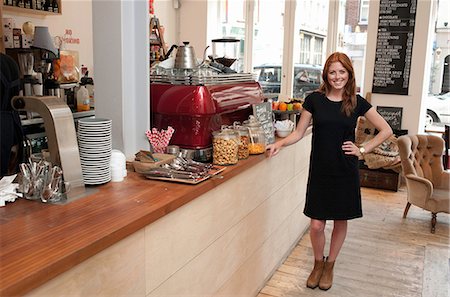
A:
296	135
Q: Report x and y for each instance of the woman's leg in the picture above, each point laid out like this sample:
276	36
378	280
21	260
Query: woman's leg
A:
337	238
317	236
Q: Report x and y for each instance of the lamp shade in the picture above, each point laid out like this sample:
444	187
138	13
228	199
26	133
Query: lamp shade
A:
43	40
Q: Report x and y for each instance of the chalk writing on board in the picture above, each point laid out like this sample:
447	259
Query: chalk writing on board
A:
263	112
396	24
392	115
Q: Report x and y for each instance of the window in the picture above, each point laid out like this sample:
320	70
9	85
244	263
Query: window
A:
232	24
266	47
364	12
268	44
352	36
305	48
318	51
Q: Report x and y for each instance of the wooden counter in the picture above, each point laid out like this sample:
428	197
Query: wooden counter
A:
40	241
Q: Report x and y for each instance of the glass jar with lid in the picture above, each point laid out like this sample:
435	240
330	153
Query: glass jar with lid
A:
257	144
244	139
225	147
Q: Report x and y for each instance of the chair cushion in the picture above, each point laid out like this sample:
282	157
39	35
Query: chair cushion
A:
439	201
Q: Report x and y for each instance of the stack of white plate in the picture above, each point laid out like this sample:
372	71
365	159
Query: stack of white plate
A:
95	145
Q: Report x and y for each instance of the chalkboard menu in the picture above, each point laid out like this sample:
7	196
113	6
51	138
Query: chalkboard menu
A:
392	115
394	46
263	112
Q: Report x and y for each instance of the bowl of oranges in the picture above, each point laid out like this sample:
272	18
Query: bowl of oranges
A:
292	104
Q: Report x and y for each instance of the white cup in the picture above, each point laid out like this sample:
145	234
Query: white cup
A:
116	173
118	159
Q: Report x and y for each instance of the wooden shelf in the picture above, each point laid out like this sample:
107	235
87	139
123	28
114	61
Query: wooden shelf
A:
157	40
27	11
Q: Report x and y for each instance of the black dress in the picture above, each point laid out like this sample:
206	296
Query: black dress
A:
11	128
333	191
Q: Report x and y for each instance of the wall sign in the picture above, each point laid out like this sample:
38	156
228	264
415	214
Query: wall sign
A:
392	115
263	112
394	46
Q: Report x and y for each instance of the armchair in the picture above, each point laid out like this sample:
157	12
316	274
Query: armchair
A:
427	183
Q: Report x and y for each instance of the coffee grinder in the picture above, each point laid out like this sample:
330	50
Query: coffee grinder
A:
44	42
226	51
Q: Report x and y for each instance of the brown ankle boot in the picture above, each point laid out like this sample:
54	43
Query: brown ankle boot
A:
314	277
326	280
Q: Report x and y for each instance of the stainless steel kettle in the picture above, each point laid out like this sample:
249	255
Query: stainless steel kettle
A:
186	58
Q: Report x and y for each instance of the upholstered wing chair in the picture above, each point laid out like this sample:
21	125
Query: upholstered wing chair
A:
426	181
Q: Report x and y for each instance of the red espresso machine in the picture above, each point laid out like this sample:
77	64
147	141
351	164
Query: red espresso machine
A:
196	105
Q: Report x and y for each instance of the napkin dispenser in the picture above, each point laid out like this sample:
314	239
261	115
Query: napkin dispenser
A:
62	141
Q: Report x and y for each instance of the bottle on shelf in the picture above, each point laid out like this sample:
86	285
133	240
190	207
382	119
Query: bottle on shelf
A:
48	6
55	6
36	5
89	83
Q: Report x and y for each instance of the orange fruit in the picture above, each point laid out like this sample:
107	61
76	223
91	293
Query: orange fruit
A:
275	105
282	106
297	106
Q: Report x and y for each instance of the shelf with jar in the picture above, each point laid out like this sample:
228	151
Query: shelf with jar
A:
33	7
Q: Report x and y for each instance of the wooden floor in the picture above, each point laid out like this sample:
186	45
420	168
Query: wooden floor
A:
383	255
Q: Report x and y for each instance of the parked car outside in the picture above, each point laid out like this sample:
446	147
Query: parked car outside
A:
307	78
438	109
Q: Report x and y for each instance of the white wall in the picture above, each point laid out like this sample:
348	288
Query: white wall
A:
76	16
122	85
168	17
194	24
188	22
420	72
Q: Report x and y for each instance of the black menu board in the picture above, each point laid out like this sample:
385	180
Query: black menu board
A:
392	115
394	46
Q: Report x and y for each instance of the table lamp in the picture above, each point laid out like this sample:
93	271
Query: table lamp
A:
43	40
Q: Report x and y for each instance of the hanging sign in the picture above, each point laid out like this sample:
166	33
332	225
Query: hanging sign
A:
394	46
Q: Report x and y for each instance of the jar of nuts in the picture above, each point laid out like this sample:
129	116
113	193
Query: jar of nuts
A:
225	147
244	139
257	144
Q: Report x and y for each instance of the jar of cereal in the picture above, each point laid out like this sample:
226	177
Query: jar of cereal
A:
225	147
257	144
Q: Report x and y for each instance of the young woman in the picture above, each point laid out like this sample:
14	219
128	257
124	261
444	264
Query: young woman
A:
333	191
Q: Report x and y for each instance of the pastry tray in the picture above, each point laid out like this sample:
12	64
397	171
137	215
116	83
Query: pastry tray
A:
212	173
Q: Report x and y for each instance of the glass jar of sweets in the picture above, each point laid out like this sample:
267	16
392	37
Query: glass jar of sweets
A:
257	144
244	139
225	147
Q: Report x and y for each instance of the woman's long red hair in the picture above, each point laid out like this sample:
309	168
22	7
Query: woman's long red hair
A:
349	96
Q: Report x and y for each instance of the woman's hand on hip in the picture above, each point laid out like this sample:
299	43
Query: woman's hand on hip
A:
350	148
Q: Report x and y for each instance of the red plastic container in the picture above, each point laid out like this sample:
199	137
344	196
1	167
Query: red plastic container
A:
195	111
